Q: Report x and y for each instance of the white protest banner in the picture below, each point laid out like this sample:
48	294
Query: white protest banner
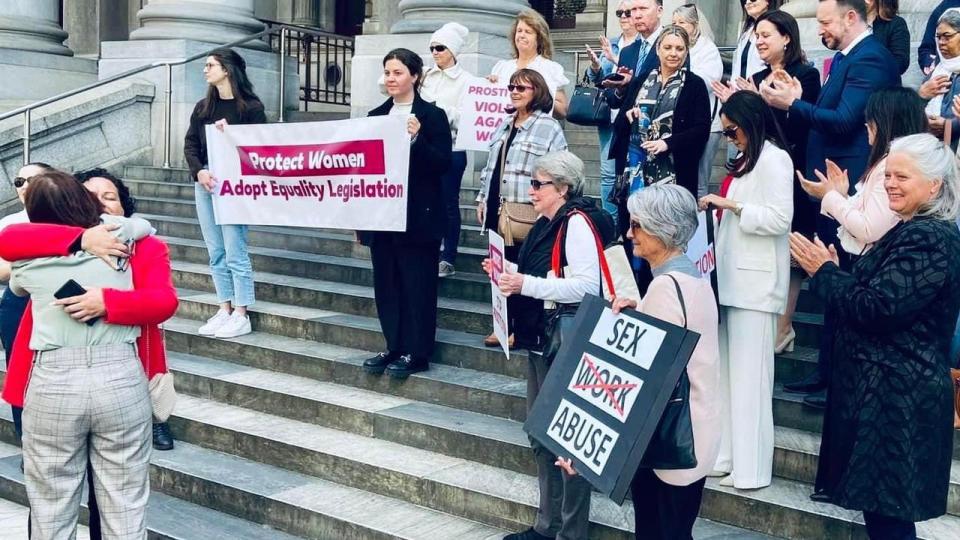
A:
497	263
700	250
346	174
482	110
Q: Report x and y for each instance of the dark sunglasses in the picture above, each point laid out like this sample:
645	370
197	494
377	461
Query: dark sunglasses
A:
518	87
19	182
730	132
623	13
537	184
438	48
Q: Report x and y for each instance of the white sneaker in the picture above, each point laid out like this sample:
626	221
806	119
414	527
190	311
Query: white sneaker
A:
446	269
236	326
214	323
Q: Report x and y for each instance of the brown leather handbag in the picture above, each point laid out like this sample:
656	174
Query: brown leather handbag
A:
515	221
955	377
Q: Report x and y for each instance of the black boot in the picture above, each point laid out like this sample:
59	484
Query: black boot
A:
808	385
378	363
162	438
407	365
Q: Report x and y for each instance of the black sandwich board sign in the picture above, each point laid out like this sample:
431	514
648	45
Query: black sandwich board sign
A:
606	390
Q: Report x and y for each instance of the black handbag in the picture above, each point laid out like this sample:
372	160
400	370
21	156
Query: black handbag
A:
559	322
671	446
588	107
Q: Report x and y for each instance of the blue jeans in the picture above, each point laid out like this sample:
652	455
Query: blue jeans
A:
227	247
450	183
12	308
608	170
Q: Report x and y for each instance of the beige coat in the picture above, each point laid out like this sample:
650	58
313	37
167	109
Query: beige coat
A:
703	369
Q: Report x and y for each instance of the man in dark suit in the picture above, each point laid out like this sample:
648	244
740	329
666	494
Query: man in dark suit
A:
861	66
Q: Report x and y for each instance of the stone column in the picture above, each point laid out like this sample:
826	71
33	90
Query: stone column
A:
305	12
213	21
32	26
486	16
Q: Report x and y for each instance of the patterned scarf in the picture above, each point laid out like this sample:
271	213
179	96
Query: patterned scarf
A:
662	99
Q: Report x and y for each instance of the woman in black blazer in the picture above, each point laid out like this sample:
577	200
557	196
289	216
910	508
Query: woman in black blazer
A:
690	127
405	263
891	29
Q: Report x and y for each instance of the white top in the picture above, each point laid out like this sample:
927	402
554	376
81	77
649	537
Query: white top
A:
552	72
706	63
13	219
445	87
753	252
581	275
856	41
754	63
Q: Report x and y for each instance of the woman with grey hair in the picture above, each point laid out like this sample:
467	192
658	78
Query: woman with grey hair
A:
943	84
663	219
532	287
888	428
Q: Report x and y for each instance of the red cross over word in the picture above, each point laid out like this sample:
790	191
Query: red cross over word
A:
606	387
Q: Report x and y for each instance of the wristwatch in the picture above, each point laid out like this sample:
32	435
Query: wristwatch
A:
737	209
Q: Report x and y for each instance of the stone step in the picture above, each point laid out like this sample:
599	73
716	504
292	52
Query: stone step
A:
14	519
144	172
452	314
450	386
168	518
463	285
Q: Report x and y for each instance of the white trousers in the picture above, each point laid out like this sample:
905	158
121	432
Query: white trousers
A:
746	386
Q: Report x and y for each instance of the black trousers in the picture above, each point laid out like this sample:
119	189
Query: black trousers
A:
663	511
827	232
887	528
405	287
11	312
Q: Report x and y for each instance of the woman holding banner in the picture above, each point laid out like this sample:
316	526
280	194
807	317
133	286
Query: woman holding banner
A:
230	100
754	212
528	133
555	190
405	263
444	85
663	219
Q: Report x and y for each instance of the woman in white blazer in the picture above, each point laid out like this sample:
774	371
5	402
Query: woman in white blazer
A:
754	211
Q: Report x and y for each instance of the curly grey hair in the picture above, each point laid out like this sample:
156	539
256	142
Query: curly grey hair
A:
667	212
564	168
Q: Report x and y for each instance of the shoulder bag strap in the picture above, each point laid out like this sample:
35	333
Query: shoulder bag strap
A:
683	305
604	268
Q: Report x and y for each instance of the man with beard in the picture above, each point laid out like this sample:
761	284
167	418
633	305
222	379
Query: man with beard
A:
861	66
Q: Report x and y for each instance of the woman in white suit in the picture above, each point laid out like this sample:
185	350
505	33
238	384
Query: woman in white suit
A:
754	211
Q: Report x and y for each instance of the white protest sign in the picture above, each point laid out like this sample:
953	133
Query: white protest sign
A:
586	438
497	263
605	386
482	110
346	174
631	339
700	250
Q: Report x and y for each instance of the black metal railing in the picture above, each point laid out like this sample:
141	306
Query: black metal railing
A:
323	62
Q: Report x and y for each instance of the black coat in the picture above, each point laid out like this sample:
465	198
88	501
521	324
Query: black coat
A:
430	156
895	36
526	314
796	130
691	129
888	431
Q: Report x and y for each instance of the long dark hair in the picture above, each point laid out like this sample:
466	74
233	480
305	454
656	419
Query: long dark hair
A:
750	113
56	197
411	61
895	112
886	9
127	201
786	25
243	94
748	20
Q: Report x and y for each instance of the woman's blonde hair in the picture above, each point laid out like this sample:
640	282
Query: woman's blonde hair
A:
536	21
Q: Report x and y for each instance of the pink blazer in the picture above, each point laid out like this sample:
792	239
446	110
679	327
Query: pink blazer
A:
703	370
864	217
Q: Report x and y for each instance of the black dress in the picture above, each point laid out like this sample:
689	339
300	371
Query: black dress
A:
796	130
888	430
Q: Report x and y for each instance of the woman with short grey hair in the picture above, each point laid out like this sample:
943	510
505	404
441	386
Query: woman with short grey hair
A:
573	222
663	219
896	310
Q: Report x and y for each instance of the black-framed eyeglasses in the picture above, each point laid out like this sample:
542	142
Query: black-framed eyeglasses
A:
519	87
537	184
946	36
621	13
730	132
20	181
438	48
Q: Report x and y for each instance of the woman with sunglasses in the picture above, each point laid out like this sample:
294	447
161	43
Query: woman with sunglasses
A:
555	190
443	85
599	68
528	133
753	218
533	49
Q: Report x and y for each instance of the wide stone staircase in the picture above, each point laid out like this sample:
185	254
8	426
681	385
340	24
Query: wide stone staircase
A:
281	434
